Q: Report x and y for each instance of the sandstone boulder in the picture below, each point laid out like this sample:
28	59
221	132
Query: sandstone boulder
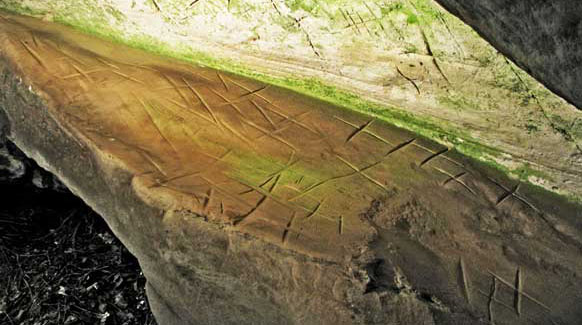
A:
409	62
246	203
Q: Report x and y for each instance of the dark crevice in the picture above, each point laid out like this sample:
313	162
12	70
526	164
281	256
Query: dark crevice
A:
379	279
59	261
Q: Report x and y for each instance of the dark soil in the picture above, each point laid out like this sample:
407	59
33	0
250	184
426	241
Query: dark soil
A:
61	264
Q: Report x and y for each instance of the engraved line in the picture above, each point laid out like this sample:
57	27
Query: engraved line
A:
288	228
443	156
108	63
208	200
222	80
34	54
315	210
520	291
127	77
366	131
492	292
241	218
82	72
238	134
409	79
206	106
175	87
191	111
400	146
254	92
318	184
286	204
519	287
465	277
267	133
227	101
433	156
356	169
88	72
507	195
206	169
146	109
215	186
359	130
454	178
262	111
273	110
250	90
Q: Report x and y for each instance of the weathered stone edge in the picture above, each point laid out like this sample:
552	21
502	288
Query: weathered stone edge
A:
106	186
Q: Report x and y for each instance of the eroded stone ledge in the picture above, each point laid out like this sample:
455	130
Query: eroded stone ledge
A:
246	203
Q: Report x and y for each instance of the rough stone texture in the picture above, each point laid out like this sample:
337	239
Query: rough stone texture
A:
542	37
423	68
249	204
11	165
16	168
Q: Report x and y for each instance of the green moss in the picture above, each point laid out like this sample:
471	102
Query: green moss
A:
150	4
417	11
576	129
423	126
531	128
526	171
485	59
510	81
256	169
570	131
412	19
399	8
387	9
457	102
427	10
542	193
19	8
306	5
410	48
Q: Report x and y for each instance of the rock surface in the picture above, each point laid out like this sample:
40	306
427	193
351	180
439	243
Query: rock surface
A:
12	166
249	204
407	61
16	168
543	37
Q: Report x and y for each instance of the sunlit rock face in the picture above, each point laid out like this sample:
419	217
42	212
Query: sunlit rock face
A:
247	203
543	37
250	204
410	63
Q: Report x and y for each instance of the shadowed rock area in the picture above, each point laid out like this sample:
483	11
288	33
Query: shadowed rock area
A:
246	203
542	37
60	264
